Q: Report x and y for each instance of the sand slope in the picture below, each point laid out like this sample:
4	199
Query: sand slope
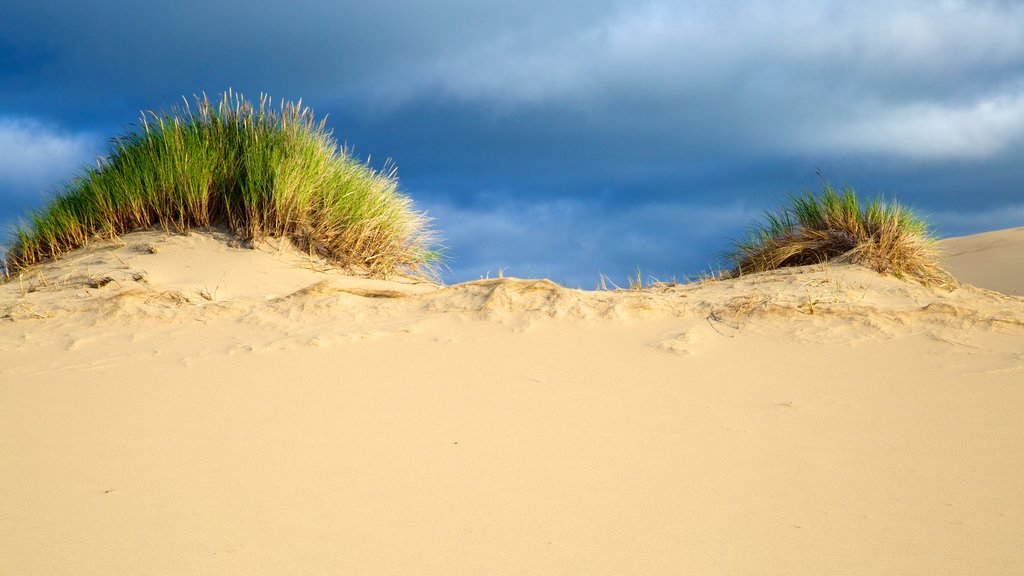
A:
175	405
993	260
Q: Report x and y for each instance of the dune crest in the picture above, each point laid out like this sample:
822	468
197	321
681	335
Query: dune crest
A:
203	276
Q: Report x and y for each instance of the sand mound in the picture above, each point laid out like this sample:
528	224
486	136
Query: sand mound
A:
993	260
177	404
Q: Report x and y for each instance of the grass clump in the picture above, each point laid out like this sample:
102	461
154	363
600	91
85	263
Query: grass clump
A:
261	171
835	226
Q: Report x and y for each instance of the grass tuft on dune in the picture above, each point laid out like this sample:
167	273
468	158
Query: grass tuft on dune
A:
261	171
835	226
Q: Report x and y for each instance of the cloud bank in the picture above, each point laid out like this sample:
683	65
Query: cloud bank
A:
597	132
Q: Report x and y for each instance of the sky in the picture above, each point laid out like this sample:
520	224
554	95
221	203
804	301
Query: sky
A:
569	139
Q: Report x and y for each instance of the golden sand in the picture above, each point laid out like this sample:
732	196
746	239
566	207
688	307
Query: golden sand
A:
176	405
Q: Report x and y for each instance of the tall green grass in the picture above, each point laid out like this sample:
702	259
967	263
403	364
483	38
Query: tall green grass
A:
260	170
836	226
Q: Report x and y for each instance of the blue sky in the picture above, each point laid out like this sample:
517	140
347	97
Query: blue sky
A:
567	140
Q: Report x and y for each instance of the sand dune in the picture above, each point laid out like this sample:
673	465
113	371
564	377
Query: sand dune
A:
993	260
173	404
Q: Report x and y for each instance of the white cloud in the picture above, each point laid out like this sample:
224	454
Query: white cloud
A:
921	80
35	156
684	46
928	130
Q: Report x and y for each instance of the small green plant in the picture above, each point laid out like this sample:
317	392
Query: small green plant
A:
834	226
259	170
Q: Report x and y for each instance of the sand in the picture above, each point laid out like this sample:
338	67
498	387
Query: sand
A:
177	405
993	260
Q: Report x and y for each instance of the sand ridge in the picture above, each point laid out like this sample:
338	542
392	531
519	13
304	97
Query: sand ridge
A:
205	274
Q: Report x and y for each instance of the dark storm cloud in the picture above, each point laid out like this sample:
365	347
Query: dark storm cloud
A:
565	138
330	50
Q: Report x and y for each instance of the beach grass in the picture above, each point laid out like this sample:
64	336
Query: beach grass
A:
258	169
835	226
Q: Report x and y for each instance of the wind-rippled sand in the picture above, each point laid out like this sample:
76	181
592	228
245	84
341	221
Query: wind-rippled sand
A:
179	405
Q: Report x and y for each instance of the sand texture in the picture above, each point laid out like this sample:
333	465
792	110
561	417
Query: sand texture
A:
179	405
993	260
